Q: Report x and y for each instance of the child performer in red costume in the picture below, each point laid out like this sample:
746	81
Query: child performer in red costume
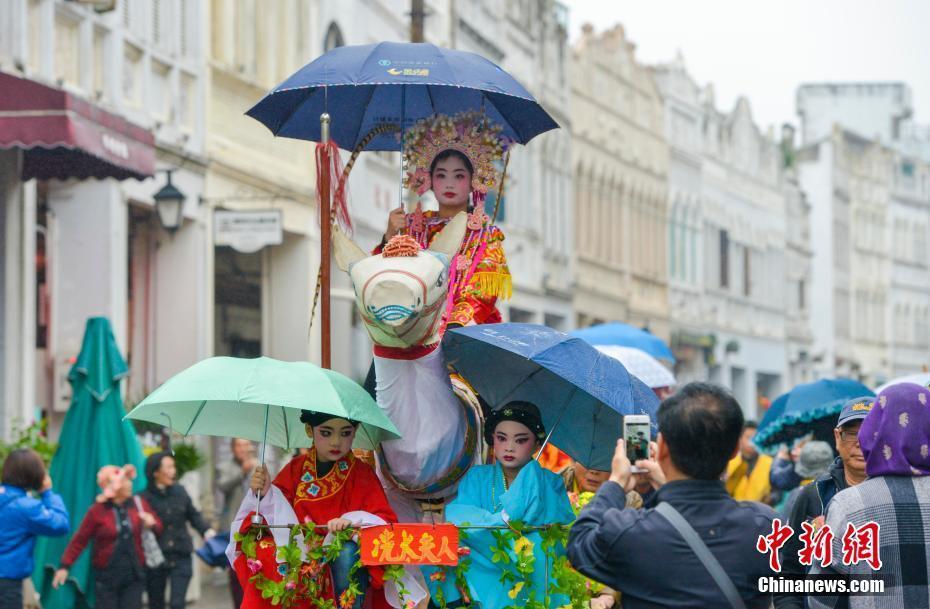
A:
329	487
454	157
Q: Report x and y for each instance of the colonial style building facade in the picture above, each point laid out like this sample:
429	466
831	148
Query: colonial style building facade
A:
728	243
864	167
621	161
132	83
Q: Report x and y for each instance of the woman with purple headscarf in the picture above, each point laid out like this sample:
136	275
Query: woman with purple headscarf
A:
895	441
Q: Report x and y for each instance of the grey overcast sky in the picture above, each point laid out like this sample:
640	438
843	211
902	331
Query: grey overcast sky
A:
765	49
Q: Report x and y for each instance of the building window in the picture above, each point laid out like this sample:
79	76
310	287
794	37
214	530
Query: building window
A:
333	38
801	295
747	274
724	259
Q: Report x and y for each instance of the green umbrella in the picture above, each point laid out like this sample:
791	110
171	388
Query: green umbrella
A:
94	434
261	399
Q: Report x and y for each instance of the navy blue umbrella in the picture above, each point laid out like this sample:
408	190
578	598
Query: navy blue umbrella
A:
581	393
367	86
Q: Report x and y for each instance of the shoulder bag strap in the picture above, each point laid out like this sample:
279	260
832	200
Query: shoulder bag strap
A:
703	553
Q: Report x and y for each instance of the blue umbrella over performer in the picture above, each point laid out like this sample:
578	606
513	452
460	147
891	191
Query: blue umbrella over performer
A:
366	86
581	393
366	97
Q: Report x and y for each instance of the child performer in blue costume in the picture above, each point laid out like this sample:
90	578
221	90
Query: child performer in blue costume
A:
515	488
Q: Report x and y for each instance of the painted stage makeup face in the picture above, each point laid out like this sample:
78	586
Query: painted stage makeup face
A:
514	445
332	439
451	181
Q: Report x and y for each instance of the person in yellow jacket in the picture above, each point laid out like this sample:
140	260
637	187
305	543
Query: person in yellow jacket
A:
748	472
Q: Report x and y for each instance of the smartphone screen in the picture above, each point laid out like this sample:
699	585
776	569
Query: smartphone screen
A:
637	440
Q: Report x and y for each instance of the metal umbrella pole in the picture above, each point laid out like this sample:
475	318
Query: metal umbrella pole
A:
325	242
256	517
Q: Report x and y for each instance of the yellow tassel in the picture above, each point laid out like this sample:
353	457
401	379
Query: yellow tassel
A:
494	284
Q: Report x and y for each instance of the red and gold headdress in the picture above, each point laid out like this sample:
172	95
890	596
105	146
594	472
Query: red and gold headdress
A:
470	133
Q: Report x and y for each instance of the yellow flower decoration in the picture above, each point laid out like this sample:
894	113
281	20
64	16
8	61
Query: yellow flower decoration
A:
523	545
515	590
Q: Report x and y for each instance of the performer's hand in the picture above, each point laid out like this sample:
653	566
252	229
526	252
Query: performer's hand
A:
603	601
46	484
148	521
397	222
61	576
620	471
209	534
338	524
261	481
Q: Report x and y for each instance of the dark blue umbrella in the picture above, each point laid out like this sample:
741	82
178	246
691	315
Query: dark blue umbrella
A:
366	86
625	335
810	407
581	393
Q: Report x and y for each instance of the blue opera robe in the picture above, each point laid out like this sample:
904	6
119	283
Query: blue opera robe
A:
536	497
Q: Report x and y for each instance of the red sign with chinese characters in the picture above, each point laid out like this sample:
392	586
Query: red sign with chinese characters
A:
410	544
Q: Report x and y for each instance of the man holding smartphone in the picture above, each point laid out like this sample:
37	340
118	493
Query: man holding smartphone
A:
699	431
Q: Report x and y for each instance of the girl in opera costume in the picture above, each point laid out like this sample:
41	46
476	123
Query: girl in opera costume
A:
455	158
514	488
327	486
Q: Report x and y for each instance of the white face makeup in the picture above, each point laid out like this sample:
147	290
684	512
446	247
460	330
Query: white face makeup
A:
514	444
451	181
332	439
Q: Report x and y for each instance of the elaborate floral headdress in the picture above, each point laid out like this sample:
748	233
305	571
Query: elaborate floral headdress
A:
470	133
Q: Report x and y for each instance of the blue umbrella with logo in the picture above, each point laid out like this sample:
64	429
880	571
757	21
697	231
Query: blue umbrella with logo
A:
808	408
396	83
581	393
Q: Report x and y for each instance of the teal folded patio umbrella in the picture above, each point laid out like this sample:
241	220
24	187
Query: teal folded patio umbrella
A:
94	434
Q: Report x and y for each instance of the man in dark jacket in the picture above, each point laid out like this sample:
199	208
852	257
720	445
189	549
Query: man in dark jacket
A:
847	470
174	507
639	552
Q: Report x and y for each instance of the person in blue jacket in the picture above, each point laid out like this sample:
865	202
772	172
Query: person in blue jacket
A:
24	518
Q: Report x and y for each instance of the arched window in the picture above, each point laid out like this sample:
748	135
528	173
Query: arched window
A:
333	38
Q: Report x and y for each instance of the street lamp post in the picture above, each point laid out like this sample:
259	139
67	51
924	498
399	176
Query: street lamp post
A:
169	205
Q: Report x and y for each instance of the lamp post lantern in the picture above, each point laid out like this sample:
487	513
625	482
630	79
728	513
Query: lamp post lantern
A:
169	205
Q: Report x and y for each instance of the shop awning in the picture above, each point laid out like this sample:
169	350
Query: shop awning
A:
63	136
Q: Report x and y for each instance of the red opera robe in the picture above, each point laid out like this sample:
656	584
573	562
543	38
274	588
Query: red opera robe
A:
350	485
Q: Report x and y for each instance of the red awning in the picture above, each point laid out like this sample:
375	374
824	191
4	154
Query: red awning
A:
63	136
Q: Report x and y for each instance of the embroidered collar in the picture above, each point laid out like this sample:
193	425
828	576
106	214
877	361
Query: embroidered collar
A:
311	487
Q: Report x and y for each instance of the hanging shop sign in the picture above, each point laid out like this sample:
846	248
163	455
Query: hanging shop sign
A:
248	231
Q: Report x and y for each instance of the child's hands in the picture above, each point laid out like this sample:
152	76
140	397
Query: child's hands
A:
261	481
338	524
